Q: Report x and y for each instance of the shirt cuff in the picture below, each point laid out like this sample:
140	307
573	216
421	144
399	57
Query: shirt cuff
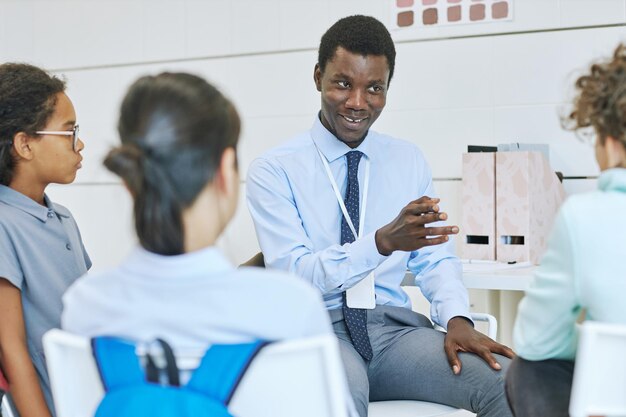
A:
448	314
364	253
364	258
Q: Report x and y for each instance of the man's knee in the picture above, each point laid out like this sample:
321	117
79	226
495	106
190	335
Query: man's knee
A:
487	396
356	372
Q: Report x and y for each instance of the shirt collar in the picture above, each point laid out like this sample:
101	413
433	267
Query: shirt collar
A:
613	180
204	262
18	200
333	148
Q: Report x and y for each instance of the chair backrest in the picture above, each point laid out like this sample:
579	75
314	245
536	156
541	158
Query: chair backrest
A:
4	385
599	386
297	377
6	405
7	408
256	260
421	305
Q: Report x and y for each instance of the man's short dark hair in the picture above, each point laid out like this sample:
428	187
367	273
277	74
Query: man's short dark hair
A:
360	35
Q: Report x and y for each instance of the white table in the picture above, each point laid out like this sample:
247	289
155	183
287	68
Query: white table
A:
507	283
494	277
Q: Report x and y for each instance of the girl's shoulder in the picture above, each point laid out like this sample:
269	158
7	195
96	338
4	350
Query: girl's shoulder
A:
279	281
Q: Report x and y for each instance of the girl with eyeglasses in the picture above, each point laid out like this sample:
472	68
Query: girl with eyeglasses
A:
41	250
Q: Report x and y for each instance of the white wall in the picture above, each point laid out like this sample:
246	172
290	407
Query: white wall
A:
454	85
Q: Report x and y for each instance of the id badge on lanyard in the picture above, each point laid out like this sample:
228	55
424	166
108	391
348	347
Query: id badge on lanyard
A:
363	294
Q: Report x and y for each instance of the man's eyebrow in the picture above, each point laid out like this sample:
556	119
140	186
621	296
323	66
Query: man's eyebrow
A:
71	123
341	75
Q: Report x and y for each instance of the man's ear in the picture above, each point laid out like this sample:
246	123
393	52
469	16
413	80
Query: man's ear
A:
22	146
227	175
317	77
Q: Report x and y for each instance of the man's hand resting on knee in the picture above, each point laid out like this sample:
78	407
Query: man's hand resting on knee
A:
462	337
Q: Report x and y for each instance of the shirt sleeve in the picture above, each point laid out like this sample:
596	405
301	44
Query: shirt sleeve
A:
10	268
438	272
546	320
285	243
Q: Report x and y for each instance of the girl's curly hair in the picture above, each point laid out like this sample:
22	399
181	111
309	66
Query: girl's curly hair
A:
601	99
27	100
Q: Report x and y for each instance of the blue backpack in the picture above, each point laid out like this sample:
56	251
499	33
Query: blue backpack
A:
133	392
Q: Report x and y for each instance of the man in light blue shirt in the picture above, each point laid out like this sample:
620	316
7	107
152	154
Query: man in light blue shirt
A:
334	222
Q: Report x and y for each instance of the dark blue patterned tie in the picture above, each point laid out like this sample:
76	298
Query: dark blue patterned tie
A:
356	318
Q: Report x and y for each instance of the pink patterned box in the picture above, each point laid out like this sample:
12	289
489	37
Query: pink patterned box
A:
478	200
528	195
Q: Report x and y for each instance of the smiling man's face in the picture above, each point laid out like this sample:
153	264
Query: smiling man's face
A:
354	92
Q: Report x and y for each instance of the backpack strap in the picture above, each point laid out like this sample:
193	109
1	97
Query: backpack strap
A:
117	362
173	373
222	368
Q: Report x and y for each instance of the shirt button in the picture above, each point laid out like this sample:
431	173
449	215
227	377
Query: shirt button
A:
68	247
50	214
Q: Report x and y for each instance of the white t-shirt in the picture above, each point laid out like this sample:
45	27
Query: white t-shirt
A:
192	300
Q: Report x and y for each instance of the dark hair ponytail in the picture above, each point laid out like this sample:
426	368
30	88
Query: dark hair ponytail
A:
174	130
156	208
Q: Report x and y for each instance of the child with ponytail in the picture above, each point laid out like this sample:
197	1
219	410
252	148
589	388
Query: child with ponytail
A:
178	159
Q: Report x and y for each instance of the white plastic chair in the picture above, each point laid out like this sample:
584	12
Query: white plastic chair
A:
405	408
6	405
291	378
599	385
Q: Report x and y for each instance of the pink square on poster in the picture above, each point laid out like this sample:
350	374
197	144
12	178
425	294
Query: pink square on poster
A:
404	3
429	2
500	10
405	18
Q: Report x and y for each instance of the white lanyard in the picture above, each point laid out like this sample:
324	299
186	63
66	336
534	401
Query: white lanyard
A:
340	199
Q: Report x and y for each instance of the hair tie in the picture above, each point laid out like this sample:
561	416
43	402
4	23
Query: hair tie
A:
143	149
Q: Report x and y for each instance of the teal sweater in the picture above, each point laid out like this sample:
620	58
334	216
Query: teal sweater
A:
583	268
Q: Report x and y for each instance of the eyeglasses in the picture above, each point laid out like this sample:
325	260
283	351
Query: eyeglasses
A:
587	135
73	133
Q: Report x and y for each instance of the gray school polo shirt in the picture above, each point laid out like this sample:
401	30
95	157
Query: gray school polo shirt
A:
41	253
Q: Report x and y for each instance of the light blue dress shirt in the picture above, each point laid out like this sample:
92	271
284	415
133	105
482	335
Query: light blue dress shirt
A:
298	220
583	268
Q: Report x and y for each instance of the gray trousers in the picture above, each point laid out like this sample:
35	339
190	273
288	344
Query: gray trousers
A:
409	363
540	388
